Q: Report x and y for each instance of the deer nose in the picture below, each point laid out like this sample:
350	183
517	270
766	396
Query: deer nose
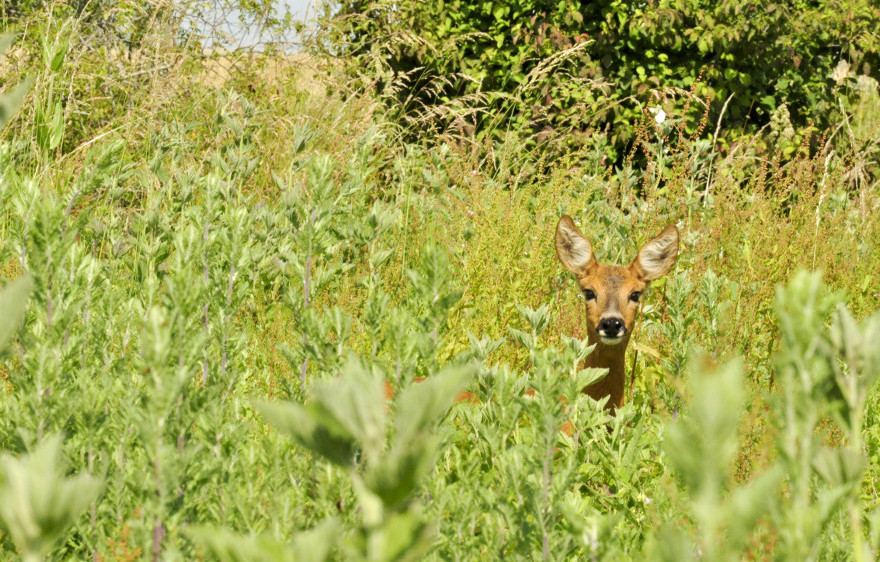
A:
611	327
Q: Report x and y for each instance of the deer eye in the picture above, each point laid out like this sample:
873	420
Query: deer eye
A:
634	296
589	295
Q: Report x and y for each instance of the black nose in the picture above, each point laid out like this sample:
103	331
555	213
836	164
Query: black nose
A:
612	327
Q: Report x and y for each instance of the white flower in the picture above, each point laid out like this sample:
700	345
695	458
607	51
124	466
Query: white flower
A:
658	113
840	72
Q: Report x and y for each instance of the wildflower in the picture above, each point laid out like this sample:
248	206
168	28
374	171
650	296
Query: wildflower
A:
840	72
659	114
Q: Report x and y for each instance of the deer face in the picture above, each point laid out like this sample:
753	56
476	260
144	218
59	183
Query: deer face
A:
612	292
612	302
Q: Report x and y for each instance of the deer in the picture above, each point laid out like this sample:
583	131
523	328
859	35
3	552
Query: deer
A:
613	295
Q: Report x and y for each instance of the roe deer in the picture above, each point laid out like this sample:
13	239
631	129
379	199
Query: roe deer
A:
612	294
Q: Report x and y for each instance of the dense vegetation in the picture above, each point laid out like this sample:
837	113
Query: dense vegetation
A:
587	66
223	276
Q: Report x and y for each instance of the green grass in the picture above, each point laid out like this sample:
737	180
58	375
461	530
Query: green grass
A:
171	243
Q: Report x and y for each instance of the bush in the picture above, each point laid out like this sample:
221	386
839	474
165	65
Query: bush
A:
585	66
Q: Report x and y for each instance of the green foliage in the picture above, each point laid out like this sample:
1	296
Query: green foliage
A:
49	113
324	246
38	503
585	66
13	300
10	101
346	425
822	372
314	545
198	273
701	450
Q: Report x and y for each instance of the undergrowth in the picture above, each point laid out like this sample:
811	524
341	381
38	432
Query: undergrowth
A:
207	272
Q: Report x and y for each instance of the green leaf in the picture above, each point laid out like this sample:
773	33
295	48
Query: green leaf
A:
10	101
396	476
588	376
13	302
419	409
581	347
370	505
839	467
537	319
37	503
484	346
346	413
225	546
670	545
60	52
314	545
314	428
703	444
748	504
403	537
420	406
56	130
524	338
769	102
356	401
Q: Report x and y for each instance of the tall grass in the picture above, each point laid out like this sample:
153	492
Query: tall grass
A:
219	268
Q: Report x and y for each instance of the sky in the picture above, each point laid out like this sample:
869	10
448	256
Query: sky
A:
298	7
228	22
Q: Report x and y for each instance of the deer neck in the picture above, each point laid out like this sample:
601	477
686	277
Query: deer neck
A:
609	357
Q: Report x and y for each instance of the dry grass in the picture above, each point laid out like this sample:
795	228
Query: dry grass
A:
219	68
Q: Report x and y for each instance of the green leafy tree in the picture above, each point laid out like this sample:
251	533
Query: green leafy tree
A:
587	65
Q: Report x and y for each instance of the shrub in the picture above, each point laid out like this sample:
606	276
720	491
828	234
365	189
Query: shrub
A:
587	66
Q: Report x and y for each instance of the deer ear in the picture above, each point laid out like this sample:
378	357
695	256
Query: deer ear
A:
657	257
572	248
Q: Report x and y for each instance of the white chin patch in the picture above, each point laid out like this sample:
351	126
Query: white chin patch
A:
610	341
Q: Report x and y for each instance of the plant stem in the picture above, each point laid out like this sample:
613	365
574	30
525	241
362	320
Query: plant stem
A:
307	281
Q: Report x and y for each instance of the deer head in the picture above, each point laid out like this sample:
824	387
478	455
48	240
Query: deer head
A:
612	295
